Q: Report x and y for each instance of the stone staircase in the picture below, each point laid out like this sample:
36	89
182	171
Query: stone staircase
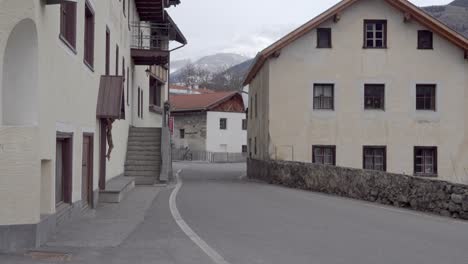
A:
144	155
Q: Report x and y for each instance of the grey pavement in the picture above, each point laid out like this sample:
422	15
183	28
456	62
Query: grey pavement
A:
251	222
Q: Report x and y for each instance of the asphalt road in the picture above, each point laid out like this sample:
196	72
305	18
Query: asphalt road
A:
249	223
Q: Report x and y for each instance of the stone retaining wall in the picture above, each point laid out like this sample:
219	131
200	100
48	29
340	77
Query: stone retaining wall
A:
422	194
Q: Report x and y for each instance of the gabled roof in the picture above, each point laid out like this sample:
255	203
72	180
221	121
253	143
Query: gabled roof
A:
199	102
405	6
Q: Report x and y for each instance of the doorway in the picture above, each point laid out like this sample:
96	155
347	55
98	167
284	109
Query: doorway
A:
63	169
87	171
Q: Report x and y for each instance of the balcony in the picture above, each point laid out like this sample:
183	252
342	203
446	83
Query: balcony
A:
150	43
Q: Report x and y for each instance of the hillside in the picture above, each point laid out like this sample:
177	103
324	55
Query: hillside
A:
454	15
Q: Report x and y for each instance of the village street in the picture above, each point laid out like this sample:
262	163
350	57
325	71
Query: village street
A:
217	216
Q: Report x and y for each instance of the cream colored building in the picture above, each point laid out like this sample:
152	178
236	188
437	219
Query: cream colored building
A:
56	56
385	88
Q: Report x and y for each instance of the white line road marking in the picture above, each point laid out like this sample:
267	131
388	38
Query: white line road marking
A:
215	256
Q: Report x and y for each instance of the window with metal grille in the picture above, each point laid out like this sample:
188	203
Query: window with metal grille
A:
425	161
374	96
89	36
324	155
323	96
426	97
375	34
324	38
375	158
425	39
68	24
223	123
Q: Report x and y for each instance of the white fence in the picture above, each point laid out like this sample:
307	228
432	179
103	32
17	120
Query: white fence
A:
213	157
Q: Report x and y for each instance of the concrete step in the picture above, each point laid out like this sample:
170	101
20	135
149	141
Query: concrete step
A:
153	173
150	153
143	180
144	141
136	162
153	149
154	167
116	189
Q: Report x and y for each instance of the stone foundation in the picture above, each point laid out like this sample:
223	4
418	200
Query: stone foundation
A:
422	194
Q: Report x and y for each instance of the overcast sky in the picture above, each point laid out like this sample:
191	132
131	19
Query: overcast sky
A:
245	26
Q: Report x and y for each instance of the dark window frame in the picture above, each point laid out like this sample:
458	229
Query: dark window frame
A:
323	148
117	60
423	153
244	124
223	123
374	156
139	103
156	88
107	55
372	99
428	101
182	133
319	101
89	32
327	33
422	45
68	24
374	31
128	86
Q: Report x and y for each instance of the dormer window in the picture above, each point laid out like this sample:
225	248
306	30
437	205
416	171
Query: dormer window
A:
425	39
324	38
375	34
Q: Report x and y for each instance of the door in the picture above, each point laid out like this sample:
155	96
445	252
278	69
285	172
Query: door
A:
87	172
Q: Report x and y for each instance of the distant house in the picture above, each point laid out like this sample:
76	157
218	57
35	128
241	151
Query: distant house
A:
376	85
213	122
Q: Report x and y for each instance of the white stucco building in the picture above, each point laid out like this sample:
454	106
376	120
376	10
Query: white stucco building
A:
67	68
209	123
368	84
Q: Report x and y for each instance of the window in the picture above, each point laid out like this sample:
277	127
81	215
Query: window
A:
426	97
374	96
107	51
324	155
375	158
375	34
324	38
89	36
244	124
323	96
425	39
117	60
123	7
425	161
244	148
255	150
256	106
251	108
250	147
223	123
123	71
182	133
139	102
68	24
128	86
155	92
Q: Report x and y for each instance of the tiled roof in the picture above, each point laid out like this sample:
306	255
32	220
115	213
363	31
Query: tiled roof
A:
199	102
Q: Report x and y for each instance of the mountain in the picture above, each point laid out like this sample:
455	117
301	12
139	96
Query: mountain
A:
213	64
454	15
178	64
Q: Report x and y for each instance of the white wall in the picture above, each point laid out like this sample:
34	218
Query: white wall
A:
294	123
234	137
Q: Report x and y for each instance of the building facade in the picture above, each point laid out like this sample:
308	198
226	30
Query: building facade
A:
369	84
72	73
209	123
